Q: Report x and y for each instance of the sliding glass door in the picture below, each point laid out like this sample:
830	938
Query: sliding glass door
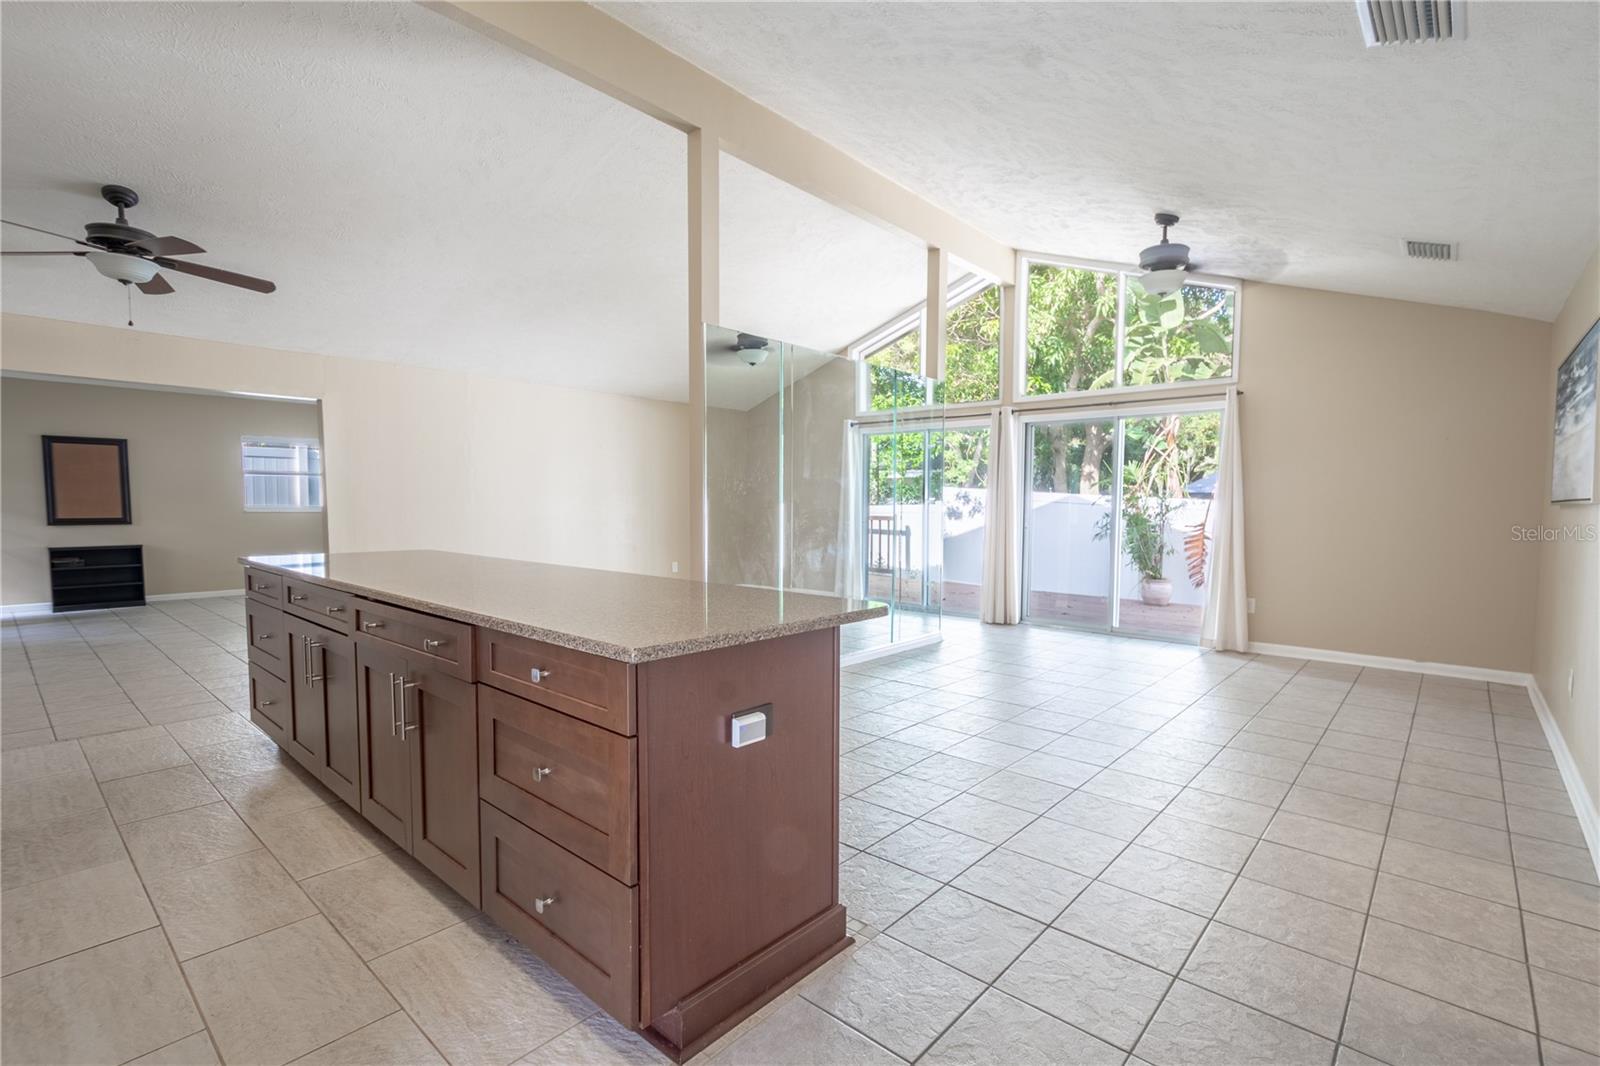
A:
1116	519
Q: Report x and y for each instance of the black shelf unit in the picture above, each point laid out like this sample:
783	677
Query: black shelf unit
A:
96	578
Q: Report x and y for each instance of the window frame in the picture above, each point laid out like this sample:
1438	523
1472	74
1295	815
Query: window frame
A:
967	288
270	440
1026	260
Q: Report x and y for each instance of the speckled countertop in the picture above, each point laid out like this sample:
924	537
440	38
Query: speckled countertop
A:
634	618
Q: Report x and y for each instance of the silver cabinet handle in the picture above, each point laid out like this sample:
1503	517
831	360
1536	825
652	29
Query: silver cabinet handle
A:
266	636
311	646
540	904
371	625
542	772
429	644
334	609
263	588
266	703
293	598
394	708
538	675
405	726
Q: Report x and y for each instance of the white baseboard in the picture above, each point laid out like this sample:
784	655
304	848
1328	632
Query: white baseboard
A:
885	651
44	608
1385	662
1583	804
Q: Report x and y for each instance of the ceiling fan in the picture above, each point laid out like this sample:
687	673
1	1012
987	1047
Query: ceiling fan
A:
748	348
134	256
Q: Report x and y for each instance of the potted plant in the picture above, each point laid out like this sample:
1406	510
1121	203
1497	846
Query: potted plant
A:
1144	538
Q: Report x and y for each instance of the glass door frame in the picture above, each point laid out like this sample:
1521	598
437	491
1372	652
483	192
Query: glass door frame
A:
1118	414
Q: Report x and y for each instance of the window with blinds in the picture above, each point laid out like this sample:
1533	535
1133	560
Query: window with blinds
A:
282	474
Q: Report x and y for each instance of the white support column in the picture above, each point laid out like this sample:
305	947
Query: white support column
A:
933	320
705	280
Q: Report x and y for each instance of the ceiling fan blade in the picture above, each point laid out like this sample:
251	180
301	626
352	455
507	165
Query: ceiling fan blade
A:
49	233
210	273
44	253
165	246
156	286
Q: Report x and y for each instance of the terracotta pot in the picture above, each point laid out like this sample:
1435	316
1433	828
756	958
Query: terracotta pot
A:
1155	591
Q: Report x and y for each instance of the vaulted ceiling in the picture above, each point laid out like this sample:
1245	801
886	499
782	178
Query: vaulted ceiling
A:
1294	153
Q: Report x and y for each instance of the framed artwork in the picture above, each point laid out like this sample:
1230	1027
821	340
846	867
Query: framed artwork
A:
86	481
1572	476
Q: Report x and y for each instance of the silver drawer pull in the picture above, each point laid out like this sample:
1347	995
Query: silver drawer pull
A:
371	625
429	645
267	703
538	675
542	772
266	636
263	588
540	904
334	610
296	598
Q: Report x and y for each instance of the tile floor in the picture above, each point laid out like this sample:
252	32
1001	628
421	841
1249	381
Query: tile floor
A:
1059	848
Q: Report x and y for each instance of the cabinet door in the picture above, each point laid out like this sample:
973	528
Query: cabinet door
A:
325	737
385	764
307	738
439	718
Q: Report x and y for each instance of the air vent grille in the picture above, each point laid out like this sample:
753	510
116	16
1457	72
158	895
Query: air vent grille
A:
1410	21
1437	250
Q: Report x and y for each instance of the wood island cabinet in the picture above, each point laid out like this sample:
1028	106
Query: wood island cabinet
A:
594	806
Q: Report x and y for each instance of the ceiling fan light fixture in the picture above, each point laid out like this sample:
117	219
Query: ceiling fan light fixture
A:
129	269
1166	265
1163	282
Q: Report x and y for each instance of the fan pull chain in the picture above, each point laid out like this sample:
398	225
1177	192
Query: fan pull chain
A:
129	289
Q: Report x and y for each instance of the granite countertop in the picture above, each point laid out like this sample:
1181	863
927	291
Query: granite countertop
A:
634	618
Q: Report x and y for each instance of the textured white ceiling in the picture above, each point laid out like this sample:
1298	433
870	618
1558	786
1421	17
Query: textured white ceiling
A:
418	193
1294	153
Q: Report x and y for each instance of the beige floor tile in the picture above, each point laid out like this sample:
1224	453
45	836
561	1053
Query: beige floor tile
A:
879	892
479	995
1026	885
1466	976
1573	950
133	799
1293	985
1569	1010
975	936
48	799
187	839
385	902
1171	879
41	760
1312	925
1456	916
1143	929
48	919
303	972
28	738
392	1040
896	995
1002	1029
220	903
318	839
1317	876
213	729
193	1050
802	1034
1407	1028
1195	1027
596	1041
50	849
1105	994
108	1004
138	751
264	794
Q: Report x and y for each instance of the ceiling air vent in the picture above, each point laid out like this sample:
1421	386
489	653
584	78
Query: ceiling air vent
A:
1410	21
1437	250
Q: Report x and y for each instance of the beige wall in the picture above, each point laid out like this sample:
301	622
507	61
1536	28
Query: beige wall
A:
184	477
1567	613
1387	456
420	458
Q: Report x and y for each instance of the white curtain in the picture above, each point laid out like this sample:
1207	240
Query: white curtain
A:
1002	541
851	489
1226	623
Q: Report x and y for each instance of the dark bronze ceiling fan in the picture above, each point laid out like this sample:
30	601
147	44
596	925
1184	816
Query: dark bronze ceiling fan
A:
134	256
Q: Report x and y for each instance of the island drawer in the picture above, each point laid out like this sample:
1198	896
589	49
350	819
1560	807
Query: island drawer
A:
268	644
326	606
269	703
268	588
590	687
571	915
571	781
443	644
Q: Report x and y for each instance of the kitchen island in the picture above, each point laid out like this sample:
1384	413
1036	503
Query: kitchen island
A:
635	776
